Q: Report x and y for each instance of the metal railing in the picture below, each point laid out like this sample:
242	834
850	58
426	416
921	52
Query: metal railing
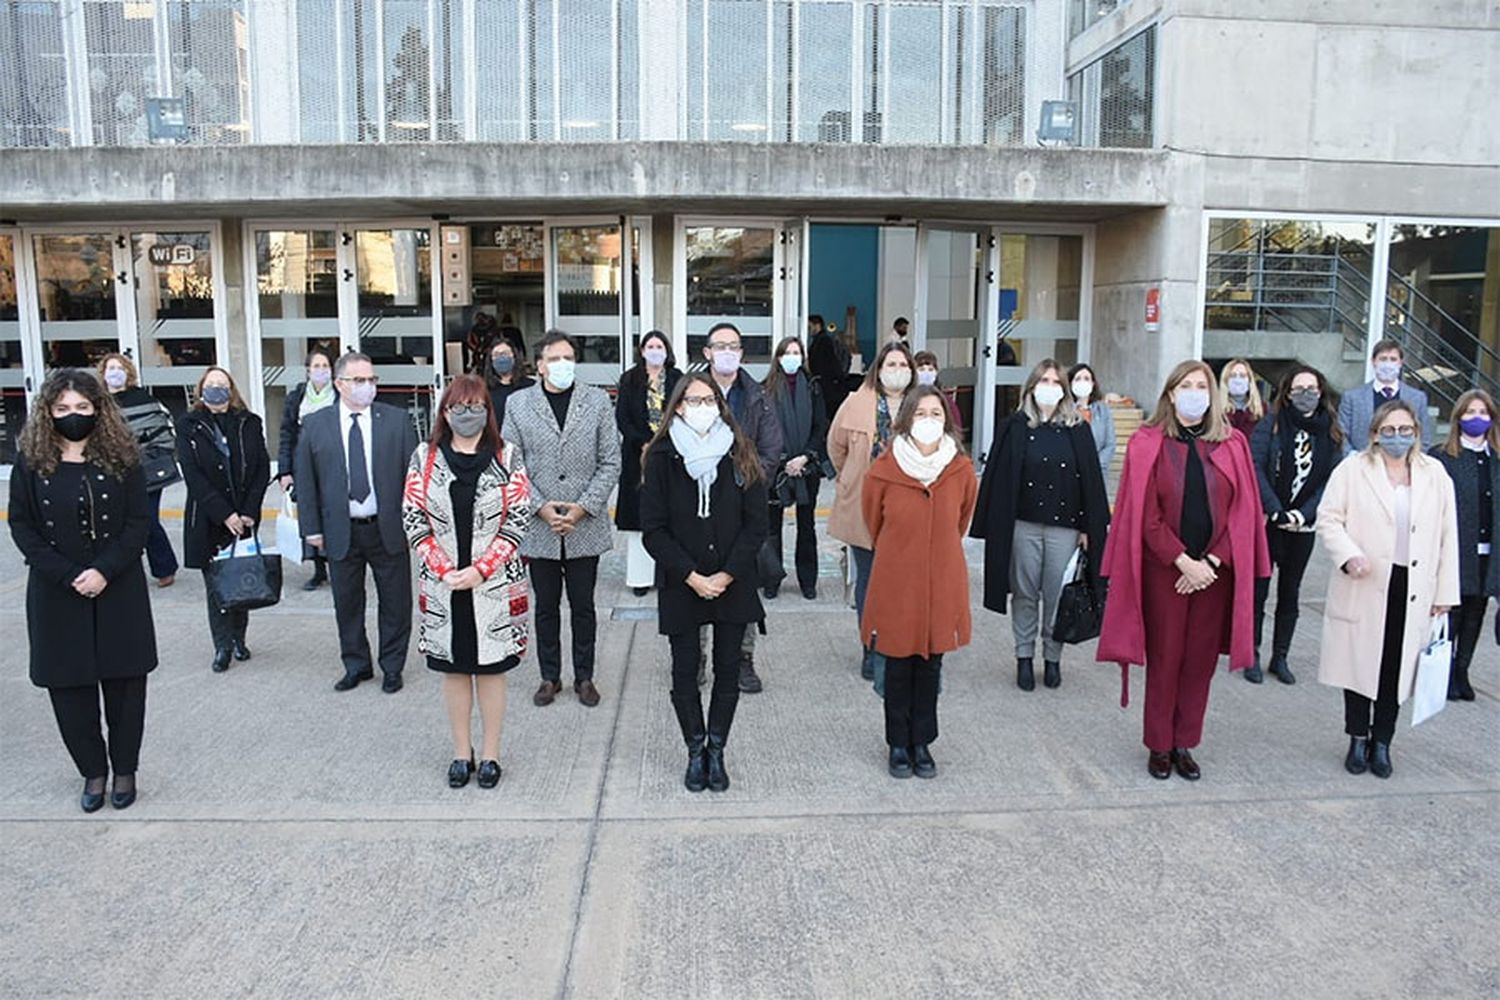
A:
1444	354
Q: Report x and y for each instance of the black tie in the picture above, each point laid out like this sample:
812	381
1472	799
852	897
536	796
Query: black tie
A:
359	476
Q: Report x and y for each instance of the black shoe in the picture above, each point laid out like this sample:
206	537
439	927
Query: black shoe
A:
1025	676
749	679
810	591
1051	673
459	771
922	764
391	684
1185	764
1357	760
696	778
349	682
123	794
1380	759
900	763
92	801
771	593
1159	764
718	778
241	651
1253	673
489	773
1459	688
640	591
867	665
1280	670
221	661
316	582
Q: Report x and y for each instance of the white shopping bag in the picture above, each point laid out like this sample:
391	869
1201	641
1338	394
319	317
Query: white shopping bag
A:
1431	691
288	530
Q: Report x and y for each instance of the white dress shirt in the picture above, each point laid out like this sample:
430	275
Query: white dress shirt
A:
366	508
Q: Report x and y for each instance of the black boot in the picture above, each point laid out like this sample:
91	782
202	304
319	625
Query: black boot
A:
696	778
1458	684
1357	760
749	679
718	778
1380	759
1252	672
221	660
1025	677
1051	673
241	651
899	764
1280	670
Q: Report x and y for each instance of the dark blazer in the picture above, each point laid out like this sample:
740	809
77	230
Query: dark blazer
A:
1463	470
77	640
999	491
216	487
809	439
1265	451
635	434
323	477
681	542
831	370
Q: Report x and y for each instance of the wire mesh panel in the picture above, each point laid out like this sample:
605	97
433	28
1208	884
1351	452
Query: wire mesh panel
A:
729	59
1127	91
406	64
450	90
33	76
628	111
500	69
209	49
121	47
913	93
318	73
586	62
1002	75
825	71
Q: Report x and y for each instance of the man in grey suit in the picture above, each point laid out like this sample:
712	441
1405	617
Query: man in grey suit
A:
350	474
567	437
1358	406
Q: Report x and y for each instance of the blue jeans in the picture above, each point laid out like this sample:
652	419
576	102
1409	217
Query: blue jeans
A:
863	560
159	554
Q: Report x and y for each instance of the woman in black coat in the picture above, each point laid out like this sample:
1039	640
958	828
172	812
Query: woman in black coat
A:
80	514
505	375
703	514
222	450
639	408
1472	457
797	399
308	398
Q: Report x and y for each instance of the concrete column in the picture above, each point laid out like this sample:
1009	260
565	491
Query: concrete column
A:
662	68
275	111
663	267
231	238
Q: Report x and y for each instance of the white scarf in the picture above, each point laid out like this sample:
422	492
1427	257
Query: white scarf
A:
702	454
925	469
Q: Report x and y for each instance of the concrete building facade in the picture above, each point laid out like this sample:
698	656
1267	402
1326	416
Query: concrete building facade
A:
1286	179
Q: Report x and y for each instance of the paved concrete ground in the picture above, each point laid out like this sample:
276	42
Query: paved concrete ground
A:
291	841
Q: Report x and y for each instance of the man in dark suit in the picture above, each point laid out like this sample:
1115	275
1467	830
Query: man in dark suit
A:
350	474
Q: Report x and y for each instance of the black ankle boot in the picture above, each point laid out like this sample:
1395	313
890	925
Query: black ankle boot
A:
1357	760
1252	672
1380	759
221	661
1280	670
1025	677
718	778
1051	673
696	778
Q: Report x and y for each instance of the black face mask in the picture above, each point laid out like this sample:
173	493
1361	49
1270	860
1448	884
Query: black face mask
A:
75	426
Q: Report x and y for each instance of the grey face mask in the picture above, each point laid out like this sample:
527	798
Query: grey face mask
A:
1396	447
468	425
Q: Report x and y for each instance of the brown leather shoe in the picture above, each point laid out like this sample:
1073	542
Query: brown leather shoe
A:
1160	765
587	693
1186	765
547	693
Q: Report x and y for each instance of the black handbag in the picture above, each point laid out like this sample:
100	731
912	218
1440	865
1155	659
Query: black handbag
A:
768	567
1080	605
160	468
244	583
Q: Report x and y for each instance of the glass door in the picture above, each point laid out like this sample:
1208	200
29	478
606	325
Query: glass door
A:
173	311
585	294
729	271
953	291
14	380
78	275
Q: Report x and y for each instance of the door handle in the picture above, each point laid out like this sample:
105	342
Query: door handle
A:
122	278
348	274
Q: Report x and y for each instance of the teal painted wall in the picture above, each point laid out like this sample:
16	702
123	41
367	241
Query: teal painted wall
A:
844	268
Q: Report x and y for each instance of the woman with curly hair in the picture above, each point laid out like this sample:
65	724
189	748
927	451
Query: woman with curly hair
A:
79	513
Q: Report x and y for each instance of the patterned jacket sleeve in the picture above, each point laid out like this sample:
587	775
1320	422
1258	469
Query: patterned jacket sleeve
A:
414	516
507	541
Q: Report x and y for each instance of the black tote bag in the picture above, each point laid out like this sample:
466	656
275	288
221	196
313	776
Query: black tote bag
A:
245	582
1080	613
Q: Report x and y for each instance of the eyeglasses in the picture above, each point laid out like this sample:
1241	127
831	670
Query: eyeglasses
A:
463	410
360	379
1404	433
725	346
692	402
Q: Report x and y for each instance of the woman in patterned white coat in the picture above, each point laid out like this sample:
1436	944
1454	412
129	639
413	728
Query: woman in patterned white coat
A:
465	509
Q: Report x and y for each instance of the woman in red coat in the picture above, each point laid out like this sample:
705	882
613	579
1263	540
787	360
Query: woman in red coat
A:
1185	551
918	498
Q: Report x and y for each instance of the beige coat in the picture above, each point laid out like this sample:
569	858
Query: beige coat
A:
850	439
1357	518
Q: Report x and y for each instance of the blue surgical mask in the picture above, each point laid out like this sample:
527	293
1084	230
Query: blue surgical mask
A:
791	363
1396	447
115	378
1388	371
561	373
1238	385
1191	404
319	376
216	395
503	364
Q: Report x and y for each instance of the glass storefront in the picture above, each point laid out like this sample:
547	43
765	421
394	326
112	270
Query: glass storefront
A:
12	361
76	278
731	273
174	309
296	288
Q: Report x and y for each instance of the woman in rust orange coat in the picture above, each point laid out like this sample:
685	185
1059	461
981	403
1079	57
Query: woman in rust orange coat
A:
918	498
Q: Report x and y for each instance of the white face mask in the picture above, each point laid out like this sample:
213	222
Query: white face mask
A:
1191	404
1047	394
1238	385
926	376
896	380
927	430
561	373
1082	389
701	418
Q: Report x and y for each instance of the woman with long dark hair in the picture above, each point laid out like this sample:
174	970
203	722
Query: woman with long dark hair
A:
80	515
797	399
703	514
640	407
1184	552
1295	448
1095	410
314	394
465	509
505	374
151	423
221	448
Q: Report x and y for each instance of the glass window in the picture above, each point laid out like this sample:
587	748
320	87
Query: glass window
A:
730	276
727	97
507	267
1003	94
318	72
210	68
296	288
452	94
12	371
174	308
586	46
586	279
121	69
394	271
33	76
1126	93
76	282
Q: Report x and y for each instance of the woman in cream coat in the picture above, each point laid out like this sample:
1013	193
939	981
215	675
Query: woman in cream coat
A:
1388	520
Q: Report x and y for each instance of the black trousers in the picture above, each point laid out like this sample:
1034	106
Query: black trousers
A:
392	572
77	712
1467	622
807	541
726	689
1357	708
548	579
1290	552
224	626
911	697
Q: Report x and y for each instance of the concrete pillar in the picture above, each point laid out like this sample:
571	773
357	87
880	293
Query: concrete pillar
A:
662	68
663	267
231	238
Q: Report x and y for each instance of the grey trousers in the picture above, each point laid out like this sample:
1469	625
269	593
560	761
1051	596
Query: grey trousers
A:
1039	554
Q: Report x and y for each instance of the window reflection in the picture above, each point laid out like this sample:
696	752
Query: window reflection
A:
76	284
174	305
730	272
395	295
587	288
296	285
12	373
